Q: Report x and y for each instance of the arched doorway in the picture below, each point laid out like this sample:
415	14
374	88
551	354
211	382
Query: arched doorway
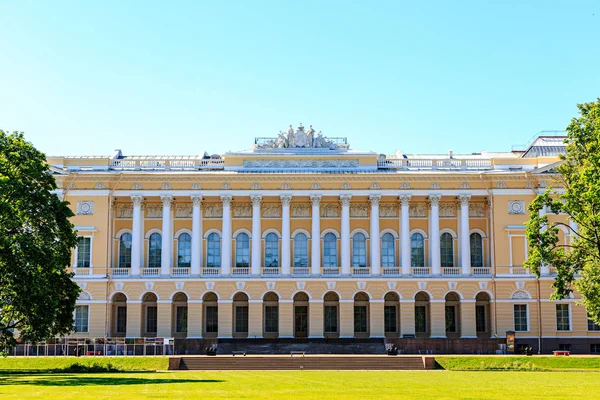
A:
119	310
149	315
240	315
270	315
210	312
301	315
179	312
391	314
361	315
331	312
452	314
422	322
482	315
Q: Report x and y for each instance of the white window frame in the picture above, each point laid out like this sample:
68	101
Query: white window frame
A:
526	315
76	256
569	315
87	326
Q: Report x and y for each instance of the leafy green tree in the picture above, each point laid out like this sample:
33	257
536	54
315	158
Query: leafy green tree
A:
577	263
37	295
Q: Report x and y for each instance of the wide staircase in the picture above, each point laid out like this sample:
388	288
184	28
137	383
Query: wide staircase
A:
300	362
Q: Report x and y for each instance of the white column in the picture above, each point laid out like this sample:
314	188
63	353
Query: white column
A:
226	239
345	244
545	270
136	236
375	239
315	259
256	235
405	233
434	234
285	235
465	242
167	236
196	234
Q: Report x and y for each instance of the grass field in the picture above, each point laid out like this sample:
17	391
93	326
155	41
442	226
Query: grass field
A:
437	384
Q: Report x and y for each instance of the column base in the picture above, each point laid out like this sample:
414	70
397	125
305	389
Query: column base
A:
438	337
286	337
317	337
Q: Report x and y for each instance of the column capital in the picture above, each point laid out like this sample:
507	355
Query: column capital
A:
405	199
256	200
226	200
315	199
286	200
434	199
166	200
196	200
374	199
345	200
137	200
463	199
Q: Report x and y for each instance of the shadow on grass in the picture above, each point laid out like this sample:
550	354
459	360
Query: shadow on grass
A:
74	380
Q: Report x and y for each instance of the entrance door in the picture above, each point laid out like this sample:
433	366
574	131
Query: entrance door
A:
301	324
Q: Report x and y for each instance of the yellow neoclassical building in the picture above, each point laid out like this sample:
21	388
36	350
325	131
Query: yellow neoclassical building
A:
303	238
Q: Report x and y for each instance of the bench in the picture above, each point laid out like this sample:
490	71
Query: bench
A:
243	353
561	352
303	353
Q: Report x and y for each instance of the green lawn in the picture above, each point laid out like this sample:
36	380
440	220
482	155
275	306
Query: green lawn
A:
517	363
303	385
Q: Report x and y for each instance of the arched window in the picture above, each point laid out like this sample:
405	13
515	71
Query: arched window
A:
213	251
359	250
272	250
388	251
330	250
300	250
184	251
476	250
242	251
154	250
417	250
125	251
447	250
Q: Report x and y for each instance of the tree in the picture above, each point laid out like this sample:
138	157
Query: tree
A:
37	295
577	263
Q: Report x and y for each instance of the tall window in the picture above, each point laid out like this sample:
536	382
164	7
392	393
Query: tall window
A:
212	319
563	322
359	250
125	251
81	319
388	251
213	252
151	319
592	326
272	250
451	319
360	319
390	318
476	250
242	251
121	319
181	319
154	250
520	315
417	250
330	319
84	252
241	319
330	250
300	250
447	250
480	319
184	251
271	319
420	319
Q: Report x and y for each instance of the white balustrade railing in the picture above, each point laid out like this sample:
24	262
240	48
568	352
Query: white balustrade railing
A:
211	271
519	270
120	271
150	272
240	271
331	271
451	271
166	164
480	271
393	271
271	271
419	271
300	271
180	271
361	271
431	163
82	271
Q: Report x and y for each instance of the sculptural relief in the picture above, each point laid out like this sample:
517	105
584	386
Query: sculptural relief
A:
213	211
329	211
154	211
271	211
388	211
417	210
299	139
447	210
359	211
183	211
300	211
242	211
125	211
476	210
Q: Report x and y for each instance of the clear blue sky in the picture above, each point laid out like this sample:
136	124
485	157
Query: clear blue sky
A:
178	77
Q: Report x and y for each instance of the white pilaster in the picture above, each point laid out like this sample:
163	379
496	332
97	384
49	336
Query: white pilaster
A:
465	242
196	234
434	234
573	228
545	269
167	236
285	234
345	242
226	239
136	236
405	233
315	259
256	235
375	238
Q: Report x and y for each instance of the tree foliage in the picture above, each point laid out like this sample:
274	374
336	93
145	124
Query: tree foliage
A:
37	295
577	263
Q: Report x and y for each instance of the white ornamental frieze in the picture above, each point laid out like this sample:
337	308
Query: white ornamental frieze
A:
447	210
154	211
476	210
329	211
125	211
388	211
300	211
271	211
417	210
242	211
359	211
213	211
300	164
183	211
